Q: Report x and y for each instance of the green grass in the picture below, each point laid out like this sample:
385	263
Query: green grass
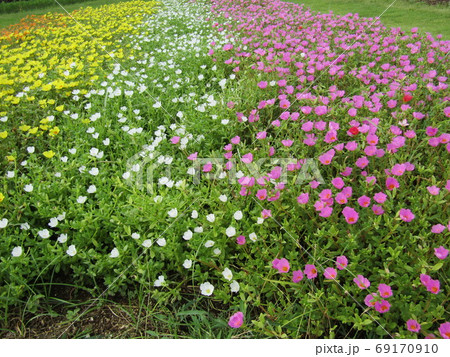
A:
13	18
404	14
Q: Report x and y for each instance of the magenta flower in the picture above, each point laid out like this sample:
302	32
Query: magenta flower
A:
303	198
262	84
433	190
207	167
412	325
325	194
287	143
341	198
337	182
370	300
444	330
362	282
380	197
351	216
382	306
406	215
384	290
236	140
441	252
438	228
240	240
391	183
327	157
282	265
297	275
266	213
247	158
236	320
341	262
193	156
261	135
310	271
377	210
433	286
175	140
330	273
364	201
362	162
398	169
261	194
424	279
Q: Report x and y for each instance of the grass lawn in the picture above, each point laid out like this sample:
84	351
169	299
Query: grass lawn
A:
9	19
406	14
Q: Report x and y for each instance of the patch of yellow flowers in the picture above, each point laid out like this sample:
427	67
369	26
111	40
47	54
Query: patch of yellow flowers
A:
70	53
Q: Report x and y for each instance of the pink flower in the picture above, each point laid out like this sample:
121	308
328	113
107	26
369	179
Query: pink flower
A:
433	286
364	201
406	215
236	320
282	265
236	140
193	156
326	212
341	262
384	290
261	135
327	157
377	210
370	300
441	252
430	131
362	282
424	279
362	162
341	198
382	306
297	275
207	167
266	213
321	110
391	183
287	143
337	182
398	169
351	216
433	190
261	194
330	273
303	198
262	84
444	330
247	158
310	271
175	140
325	194
438	228
380	197
412	325
240	240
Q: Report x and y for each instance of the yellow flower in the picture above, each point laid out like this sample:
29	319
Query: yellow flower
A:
60	108
44	121
1	197
46	87
49	154
3	134
10	158
44	127
54	131
85	121
34	130
24	127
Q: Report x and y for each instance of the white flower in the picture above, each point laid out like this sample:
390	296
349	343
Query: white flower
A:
187	263
30	149
191	171
217	251
157	105
53	222
73	151
61	216
106	142
158	199
227	274
17	252
211	217
147	243
198	229
71	251
173	213
159	282
237	215
126	176
163	180
62	238
94	171
209	243
260	220
81	199
23	226
136	168
44	233
194	214
225	121
230	232
206	289
92	189
234	286
10	174
3	222
28	188
135	235
114	253
223	198
161	242
187	235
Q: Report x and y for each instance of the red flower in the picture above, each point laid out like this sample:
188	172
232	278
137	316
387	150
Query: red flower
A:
407	98
354	130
